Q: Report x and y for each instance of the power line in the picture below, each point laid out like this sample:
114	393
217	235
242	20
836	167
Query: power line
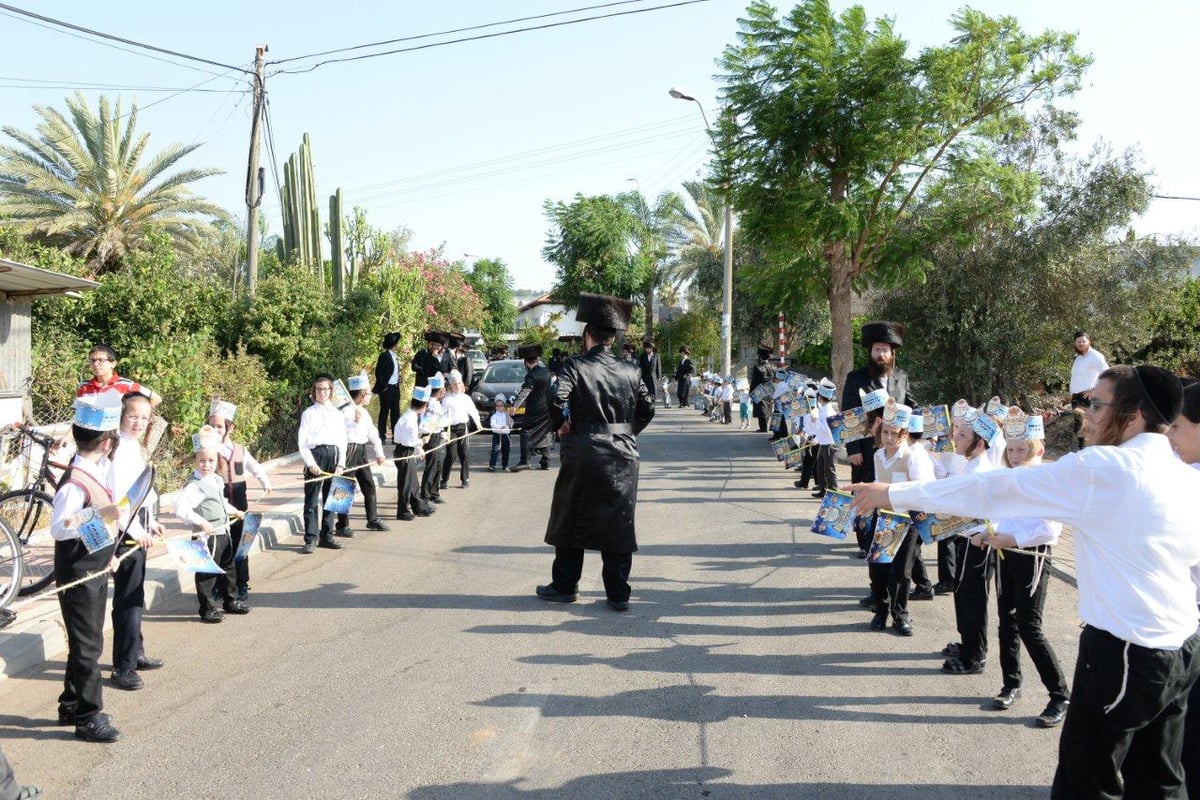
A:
1174	197
271	149
455	30
40	83
91	32
487	36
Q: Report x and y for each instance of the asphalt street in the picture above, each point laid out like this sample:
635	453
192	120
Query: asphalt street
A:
418	664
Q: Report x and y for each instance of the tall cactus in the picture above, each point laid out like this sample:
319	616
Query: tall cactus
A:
337	245
301	217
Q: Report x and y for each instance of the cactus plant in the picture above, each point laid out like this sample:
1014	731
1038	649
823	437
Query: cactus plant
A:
301	217
337	245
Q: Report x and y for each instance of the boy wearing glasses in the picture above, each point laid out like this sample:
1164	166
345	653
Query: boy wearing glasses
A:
322	444
103	362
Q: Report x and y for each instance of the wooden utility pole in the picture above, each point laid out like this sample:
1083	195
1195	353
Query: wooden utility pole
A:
254	173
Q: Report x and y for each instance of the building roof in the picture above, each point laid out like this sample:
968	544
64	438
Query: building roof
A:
22	280
544	300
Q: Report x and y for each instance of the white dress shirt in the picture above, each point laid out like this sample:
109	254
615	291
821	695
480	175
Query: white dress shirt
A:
250	463
395	379
460	408
126	466
322	423
500	422
1030	531
192	494
824	412
1132	509
69	500
360	429
407	432
1086	369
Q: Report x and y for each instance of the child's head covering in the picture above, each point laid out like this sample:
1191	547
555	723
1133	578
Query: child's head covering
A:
206	439
436	381
422	393
896	414
97	416
358	382
222	409
827	389
873	401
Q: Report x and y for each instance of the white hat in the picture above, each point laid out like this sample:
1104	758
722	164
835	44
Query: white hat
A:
423	393
455	376
810	394
501	399
896	414
358	382
223	409
1035	427
97	416
872	401
916	423
436	381
206	439
1013	423
987	428
827	388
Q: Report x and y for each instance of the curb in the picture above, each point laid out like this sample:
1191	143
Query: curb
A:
39	634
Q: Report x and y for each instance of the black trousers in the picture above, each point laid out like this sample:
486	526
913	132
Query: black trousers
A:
682	389
762	413
83	615
526	451
389	410
900	575
316	521
1123	735
1191	742
920	576
431	478
1078	401
356	456
880	576
726	412
568	566
236	494
948	551
971	600
825	471
500	447
864	473
808	464
457	449
408	482
208	586
1020	613
128	604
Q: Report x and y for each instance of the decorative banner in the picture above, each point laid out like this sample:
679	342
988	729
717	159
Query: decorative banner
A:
138	492
835	517
944	526
341	495
775	422
762	392
780	447
786	397
937	420
341	397
250	526
800	404
848	426
890	530
944	444
793	458
93	531
193	556
923	524
797	382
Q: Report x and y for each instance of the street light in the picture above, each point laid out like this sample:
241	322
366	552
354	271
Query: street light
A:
727	283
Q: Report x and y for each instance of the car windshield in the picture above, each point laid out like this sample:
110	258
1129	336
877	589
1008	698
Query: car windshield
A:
505	373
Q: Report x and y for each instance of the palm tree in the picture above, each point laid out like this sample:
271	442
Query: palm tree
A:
654	240
80	184
700	233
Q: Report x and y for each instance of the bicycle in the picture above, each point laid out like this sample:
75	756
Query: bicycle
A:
25	524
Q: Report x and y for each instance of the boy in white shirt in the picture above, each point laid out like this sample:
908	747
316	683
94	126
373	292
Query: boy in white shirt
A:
501	424
363	446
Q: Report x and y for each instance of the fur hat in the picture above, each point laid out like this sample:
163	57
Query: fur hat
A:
455	339
528	352
883	332
764	351
604	310
435	337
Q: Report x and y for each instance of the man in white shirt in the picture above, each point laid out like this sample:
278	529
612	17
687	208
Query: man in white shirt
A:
1085	371
322	445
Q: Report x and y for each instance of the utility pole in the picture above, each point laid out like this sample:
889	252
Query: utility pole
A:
254	173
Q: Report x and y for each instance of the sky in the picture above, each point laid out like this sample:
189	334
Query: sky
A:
462	144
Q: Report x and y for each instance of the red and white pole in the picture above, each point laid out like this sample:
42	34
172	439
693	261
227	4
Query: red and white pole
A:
782	341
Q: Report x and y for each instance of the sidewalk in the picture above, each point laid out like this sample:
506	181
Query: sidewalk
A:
38	633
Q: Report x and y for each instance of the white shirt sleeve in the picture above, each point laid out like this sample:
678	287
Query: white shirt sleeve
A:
1030	531
68	502
256	469
308	422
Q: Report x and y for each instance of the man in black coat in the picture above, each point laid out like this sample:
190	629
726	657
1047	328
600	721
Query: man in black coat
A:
387	385
595	495
683	376
428	362
457	343
535	427
763	372
651	367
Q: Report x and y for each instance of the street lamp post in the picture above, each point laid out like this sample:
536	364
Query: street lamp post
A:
727	281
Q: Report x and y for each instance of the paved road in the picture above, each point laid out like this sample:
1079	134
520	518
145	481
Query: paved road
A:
417	664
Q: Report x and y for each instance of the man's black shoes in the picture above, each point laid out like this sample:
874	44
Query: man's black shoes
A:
97	729
553	595
618	605
146	662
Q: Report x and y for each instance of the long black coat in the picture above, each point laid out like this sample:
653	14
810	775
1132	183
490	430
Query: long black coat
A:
424	366
763	372
534	395
651	368
596	491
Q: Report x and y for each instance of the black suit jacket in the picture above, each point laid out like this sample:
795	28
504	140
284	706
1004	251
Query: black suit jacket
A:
384	366
896	385
651	368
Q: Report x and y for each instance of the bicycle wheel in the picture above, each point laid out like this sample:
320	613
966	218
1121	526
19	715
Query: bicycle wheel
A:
28	512
10	565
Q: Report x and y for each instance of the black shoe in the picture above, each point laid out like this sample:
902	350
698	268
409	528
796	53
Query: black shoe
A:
921	594
345	533
902	625
960	666
1054	714
212	616
236	607
491	469
544	465
406	517
64	719
437	500
952	650
427	512
618	605
1008	695
867	602
444	485
465	485
943	588
524	465
548	592
330	544
127	679
243	593
376	525
819	493
801	484
861	554
146	662
97	729
879	621
309	547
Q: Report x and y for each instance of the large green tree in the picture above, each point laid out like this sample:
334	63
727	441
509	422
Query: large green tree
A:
490	279
655	238
592	245
831	132
85	183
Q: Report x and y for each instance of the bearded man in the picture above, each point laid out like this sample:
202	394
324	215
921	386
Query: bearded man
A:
882	340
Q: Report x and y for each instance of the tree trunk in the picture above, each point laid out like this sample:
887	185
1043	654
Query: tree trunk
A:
841	336
649	334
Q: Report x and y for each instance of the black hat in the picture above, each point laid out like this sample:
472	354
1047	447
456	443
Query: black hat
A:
649	343
604	310
1163	389
455	339
391	340
435	337
528	352
684	350
764	351
571	338
886	332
